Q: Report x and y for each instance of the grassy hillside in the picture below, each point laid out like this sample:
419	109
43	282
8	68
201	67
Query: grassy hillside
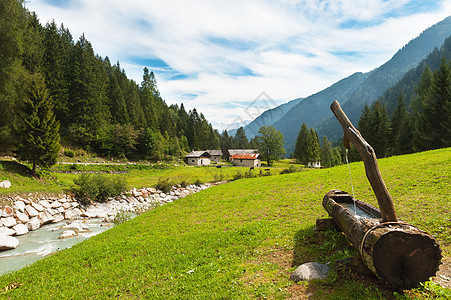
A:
242	240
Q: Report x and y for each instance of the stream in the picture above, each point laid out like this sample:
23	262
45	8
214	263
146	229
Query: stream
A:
44	241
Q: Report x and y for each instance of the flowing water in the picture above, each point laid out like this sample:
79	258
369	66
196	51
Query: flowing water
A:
359	213
42	242
350	179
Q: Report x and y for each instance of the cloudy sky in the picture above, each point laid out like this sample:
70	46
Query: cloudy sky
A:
224	56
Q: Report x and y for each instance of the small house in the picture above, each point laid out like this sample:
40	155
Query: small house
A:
316	164
198	158
215	155
246	160
232	152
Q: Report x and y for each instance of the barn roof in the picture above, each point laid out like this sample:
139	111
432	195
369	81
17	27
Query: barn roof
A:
245	156
198	154
242	151
214	152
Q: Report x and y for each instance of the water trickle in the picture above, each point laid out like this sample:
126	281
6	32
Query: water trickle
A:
352	186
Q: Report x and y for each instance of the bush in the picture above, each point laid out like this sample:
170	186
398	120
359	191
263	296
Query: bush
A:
123	216
198	182
97	187
69	152
291	169
183	184
238	175
164	185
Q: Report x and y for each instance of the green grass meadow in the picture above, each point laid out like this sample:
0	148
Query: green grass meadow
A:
242	240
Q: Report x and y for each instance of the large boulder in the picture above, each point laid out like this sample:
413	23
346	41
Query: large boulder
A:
5	184
67	234
31	211
9	221
8	242
8	211
77	227
45	217
21	229
45	204
19	205
38	206
22	217
72	213
7	231
34	223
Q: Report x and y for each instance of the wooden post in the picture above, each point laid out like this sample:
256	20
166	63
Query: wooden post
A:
368	155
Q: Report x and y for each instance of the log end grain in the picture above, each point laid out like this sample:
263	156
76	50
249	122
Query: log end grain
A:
404	260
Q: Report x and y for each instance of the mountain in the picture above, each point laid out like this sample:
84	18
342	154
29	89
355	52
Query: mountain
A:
315	108
386	75
358	89
268	117
230	127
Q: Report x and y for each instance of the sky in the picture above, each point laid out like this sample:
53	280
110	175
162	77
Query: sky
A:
233	59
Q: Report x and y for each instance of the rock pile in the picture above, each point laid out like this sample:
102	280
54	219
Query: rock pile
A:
30	214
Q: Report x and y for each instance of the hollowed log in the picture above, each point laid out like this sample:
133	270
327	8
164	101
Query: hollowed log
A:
396	252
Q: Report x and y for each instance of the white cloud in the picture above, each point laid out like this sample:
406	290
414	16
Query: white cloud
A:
292	48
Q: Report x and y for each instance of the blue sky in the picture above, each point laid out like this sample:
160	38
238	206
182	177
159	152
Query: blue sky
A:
220	56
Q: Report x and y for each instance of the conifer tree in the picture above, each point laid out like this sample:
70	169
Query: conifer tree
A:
313	147
241	140
326	153
38	137
300	152
398	120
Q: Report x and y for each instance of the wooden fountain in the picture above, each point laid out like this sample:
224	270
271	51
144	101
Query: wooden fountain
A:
396	252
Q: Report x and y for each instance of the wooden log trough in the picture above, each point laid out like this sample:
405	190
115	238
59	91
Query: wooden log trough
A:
396	252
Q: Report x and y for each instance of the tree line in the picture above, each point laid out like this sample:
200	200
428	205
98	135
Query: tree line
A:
425	124
95	106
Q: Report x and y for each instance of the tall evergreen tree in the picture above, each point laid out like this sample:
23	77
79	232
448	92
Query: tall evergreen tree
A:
38	136
12	72
300	152
313	147
421	128
432	122
398	120
326	153
241	140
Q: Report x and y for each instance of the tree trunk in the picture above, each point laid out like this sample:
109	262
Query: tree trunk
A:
396	252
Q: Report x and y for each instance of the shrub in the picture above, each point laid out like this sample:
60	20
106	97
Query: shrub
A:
249	174
183	184
123	216
198	182
291	169
238	175
73	166
97	187
164	185
69	152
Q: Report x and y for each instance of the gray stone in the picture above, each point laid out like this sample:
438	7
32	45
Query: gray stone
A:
23	218
77	227
9	222
31	211
72	213
67	234
309	271
55	204
45	204
7	231
8	242
34	223
37	206
20	206
66	205
21	229
46	217
8	211
5	184
58	218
